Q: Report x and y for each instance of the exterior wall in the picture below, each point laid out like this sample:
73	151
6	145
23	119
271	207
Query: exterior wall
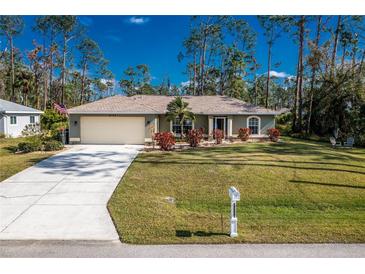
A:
201	121
238	121
2	124
164	124
21	121
74	127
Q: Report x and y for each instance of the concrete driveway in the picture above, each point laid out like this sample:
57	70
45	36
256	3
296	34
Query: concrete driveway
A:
64	197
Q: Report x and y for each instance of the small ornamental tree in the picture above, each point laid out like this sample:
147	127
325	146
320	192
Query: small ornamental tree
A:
178	109
165	140
218	135
195	136
244	133
274	134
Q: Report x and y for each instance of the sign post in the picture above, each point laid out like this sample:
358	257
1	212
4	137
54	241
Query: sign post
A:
235	196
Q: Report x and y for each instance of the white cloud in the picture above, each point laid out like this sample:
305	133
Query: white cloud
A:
185	84
279	74
138	20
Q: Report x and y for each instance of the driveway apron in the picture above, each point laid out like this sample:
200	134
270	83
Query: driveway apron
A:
65	196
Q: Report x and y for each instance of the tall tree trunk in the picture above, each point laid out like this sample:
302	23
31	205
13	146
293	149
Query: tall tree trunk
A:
83	79
45	76
202	66
313	77
13	98
255	80
343	56
63	79
335	43
51	64
268	77
300	73
296	102
194	77
38	102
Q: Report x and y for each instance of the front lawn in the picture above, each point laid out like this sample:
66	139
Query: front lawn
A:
291	192
11	163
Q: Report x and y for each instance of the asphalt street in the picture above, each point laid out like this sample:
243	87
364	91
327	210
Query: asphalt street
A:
115	249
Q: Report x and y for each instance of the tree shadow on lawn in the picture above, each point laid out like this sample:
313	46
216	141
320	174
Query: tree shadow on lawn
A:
11	148
188	234
289	149
245	161
241	163
326	184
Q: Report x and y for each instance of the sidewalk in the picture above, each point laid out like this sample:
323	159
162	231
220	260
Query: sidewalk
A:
107	249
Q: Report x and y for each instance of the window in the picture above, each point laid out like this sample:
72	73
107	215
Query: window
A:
12	120
31	119
254	125
176	127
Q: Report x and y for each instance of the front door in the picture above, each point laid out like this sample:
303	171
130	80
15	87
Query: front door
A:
220	123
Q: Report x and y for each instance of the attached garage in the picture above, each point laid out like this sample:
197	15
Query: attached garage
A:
112	130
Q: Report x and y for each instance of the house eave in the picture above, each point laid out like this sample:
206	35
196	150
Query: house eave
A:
111	113
21	112
164	113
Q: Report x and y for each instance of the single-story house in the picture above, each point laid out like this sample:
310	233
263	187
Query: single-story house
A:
14	117
132	120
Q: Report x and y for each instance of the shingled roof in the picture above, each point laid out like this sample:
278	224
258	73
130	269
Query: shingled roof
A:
10	107
157	104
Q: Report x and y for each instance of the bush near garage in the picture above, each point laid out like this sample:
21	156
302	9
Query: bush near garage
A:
166	140
39	142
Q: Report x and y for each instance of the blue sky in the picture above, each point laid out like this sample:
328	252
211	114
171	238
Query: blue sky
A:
156	41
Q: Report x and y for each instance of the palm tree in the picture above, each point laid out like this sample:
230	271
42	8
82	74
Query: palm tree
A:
178	109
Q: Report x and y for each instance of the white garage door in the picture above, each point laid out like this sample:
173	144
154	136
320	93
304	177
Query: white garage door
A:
112	130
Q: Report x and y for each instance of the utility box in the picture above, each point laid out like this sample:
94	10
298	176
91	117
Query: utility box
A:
235	197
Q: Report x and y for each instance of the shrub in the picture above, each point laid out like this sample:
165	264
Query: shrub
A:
2	135
284	118
244	133
274	134
165	140
33	143
195	136
52	145
218	135
31	130
53	122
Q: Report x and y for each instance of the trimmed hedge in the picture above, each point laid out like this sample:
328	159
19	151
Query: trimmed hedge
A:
52	145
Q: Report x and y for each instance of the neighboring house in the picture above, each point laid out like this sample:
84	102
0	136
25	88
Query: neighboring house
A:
133	120
14	117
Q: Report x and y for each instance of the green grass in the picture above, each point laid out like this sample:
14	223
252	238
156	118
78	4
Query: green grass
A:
11	163
292	192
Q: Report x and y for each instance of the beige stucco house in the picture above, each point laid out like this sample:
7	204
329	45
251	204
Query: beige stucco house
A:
132	120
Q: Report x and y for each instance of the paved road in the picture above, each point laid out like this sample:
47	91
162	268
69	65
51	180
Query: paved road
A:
64	197
100	249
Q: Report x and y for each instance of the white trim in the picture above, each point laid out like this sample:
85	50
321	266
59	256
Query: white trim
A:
156	124
30	122
22	112
16	120
224	123
259	118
